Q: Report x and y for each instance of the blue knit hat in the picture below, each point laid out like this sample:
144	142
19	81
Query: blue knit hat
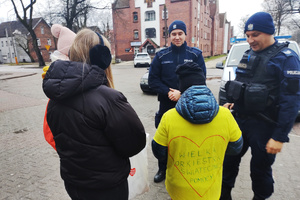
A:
260	21
177	24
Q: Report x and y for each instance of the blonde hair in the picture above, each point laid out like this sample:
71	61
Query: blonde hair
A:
79	51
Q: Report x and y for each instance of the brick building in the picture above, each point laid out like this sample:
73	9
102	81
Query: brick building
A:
14	38
141	26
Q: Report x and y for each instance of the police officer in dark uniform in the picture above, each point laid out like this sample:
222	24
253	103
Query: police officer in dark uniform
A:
163	79
265	98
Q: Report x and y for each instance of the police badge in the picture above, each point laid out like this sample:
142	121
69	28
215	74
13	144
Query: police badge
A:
250	27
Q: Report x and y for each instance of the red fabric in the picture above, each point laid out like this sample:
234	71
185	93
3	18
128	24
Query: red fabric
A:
47	132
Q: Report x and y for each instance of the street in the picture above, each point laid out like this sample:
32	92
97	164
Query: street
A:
30	167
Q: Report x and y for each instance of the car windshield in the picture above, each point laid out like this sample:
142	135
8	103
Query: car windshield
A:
293	47
236	55
141	55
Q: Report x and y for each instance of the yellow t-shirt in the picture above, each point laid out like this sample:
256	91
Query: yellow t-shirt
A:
196	154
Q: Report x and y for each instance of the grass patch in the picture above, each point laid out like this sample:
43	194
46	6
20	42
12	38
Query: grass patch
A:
214	57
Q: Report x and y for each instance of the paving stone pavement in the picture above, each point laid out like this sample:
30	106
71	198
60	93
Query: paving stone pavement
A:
30	167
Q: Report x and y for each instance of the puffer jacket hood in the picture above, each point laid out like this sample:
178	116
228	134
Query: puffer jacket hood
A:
65	79
197	105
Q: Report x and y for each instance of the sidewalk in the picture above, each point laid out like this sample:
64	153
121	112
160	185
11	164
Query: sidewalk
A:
18	71
30	167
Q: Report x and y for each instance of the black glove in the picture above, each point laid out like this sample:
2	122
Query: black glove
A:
100	55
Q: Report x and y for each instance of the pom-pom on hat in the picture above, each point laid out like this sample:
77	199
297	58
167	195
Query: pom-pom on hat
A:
189	74
177	24
260	21
65	38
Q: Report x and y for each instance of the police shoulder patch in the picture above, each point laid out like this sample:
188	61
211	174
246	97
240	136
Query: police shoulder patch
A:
287	52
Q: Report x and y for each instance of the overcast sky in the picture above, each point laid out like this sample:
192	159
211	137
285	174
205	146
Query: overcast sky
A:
236	9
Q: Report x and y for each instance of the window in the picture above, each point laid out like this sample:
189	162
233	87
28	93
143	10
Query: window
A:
42	30
150	33
38	42
135	17
165	32
6	43
10	43
49	42
165	13
2	44
150	16
135	34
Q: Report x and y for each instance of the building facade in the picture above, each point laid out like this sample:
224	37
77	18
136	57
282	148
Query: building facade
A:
15	41
142	26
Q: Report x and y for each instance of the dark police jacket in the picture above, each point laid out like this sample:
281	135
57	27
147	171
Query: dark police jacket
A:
162	74
270	86
94	127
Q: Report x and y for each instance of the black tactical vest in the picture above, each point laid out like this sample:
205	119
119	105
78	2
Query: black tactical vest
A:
259	89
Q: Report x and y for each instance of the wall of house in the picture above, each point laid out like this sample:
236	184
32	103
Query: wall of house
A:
195	14
7	50
124	27
43	33
150	23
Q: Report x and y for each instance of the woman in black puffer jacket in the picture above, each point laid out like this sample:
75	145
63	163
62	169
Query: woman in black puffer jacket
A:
94	127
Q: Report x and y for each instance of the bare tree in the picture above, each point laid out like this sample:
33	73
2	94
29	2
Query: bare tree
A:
23	42
281	11
75	13
27	23
242	23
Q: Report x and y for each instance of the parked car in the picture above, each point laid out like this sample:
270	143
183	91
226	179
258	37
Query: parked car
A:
141	59
233	58
144	83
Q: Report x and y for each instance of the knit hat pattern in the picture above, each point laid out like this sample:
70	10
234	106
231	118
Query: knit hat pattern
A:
260	21
65	38
189	74
177	24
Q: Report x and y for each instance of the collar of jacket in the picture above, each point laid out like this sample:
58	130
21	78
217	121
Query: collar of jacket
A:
179	49
197	105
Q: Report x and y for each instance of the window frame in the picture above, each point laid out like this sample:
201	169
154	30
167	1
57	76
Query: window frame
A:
150	15
152	31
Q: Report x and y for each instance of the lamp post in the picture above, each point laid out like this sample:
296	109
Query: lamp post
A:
14	46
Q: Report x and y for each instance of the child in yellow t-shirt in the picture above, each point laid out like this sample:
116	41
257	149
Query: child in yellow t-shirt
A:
194	137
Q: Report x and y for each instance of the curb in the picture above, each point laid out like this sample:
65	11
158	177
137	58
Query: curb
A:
20	76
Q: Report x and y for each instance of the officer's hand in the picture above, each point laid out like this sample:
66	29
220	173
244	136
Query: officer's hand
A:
228	105
174	94
274	147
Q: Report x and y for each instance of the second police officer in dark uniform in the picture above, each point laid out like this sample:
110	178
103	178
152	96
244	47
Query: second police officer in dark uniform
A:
163	79
266	101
